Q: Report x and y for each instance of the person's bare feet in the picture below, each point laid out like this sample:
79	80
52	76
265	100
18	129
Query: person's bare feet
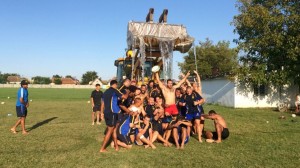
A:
102	150
13	130
210	140
177	147
146	146
112	144
182	147
152	146
117	148
218	141
25	133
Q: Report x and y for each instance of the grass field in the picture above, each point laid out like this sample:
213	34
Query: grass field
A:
61	135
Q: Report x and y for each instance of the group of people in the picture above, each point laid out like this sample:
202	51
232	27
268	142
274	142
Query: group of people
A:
154	112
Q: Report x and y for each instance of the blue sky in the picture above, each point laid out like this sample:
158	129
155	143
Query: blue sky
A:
70	37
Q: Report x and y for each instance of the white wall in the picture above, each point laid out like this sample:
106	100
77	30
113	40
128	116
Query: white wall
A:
227	93
220	91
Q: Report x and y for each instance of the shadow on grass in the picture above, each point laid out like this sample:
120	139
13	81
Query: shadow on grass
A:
41	123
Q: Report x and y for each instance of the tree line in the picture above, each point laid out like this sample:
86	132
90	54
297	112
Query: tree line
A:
56	79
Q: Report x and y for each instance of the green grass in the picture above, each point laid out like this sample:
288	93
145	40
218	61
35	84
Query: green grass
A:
61	136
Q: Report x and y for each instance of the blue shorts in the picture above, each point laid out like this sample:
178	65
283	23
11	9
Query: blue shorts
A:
191	116
21	111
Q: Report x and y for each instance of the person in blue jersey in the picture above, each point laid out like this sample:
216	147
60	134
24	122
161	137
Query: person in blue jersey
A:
123	130
192	101
96	98
111	109
179	129
21	107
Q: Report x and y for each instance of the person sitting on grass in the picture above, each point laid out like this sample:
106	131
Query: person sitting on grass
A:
179	130
144	133
157	129
222	131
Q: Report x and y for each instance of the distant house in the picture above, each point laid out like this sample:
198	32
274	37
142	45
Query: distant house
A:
232	94
96	81
69	81
13	79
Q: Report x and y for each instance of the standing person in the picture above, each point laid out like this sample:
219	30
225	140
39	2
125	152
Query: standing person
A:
96	98
197	85
169	94
192	101
21	107
111	110
222	131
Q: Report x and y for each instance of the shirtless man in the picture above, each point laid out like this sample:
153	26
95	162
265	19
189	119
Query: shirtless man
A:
222	131
169	94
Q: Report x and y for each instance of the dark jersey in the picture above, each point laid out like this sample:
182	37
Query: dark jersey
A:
97	96
149	109
142	125
189	100
110	99
155	93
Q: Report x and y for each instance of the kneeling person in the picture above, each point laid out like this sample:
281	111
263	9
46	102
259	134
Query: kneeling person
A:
123	130
222	131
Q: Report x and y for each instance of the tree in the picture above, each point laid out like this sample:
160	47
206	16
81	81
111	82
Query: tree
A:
57	79
69	76
3	77
41	80
212	60
269	35
88	76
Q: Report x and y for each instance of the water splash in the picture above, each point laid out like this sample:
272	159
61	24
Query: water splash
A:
142	58
166	49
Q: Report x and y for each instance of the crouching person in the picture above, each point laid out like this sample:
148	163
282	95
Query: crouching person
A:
221	132
123	130
144	133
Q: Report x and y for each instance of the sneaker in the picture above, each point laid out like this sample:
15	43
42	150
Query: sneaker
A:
98	123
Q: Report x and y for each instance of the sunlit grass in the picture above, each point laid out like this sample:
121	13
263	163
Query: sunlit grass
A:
61	135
